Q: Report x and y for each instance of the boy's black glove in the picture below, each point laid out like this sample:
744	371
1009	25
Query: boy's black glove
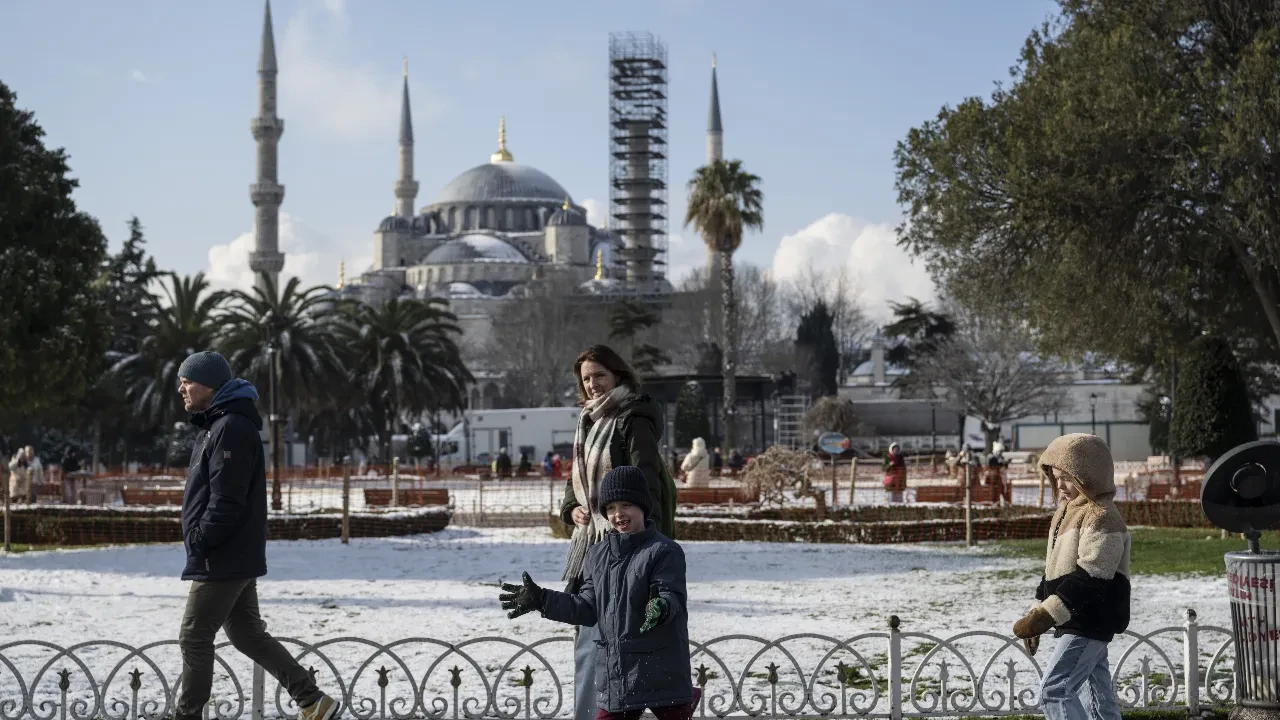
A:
521	599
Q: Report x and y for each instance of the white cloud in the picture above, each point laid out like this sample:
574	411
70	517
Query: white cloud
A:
880	270
310	255
139	77
321	87
684	256
595	211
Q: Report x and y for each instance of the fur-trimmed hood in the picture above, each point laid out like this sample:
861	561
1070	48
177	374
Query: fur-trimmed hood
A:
1087	459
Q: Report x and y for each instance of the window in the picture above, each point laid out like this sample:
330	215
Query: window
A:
528	220
489	220
473	219
509	222
453	218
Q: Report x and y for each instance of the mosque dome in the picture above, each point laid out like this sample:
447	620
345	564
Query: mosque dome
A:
475	247
501	179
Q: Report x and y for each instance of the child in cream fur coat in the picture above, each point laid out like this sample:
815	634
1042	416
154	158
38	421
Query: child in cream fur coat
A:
1084	595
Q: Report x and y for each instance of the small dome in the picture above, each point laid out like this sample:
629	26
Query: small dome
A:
567	215
602	286
461	289
501	181
475	247
395	222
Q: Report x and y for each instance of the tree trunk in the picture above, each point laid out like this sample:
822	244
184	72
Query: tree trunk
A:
991	434
1261	286
729	352
97	447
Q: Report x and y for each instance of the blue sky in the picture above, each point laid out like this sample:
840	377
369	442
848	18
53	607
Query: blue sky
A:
152	99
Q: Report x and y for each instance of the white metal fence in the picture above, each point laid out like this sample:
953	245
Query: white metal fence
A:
891	673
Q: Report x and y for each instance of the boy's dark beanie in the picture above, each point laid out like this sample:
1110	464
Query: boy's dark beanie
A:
624	484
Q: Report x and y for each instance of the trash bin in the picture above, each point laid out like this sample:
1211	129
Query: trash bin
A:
1251	584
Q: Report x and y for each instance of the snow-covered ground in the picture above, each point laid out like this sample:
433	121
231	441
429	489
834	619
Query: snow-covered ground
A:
444	586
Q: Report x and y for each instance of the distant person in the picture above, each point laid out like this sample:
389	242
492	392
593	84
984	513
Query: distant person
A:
1084	594
502	465
736	461
895	473
697	465
525	467
557	466
717	461
224	529
548	466
1001	490
19	476
638	608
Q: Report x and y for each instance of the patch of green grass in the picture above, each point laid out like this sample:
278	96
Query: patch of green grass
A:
1156	551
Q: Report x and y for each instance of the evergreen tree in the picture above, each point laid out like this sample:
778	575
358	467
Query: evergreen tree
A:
627	319
917	331
51	319
692	420
818	355
1211	411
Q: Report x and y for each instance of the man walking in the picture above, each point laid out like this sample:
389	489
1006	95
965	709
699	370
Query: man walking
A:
224	526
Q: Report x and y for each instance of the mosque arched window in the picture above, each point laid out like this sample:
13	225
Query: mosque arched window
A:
473	218
453	218
509	221
489	220
528	220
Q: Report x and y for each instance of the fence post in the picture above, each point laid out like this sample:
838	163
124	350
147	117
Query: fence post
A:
5	491
395	481
968	506
259	691
895	669
853	478
1191	664
480	500
346	502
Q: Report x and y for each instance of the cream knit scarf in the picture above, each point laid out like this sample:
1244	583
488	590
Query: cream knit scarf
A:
590	463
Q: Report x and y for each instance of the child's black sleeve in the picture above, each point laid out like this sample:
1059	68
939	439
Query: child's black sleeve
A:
575	609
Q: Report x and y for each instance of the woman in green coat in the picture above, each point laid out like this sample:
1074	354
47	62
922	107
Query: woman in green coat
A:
618	426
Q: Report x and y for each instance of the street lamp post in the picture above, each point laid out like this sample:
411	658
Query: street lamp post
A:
1093	413
274	429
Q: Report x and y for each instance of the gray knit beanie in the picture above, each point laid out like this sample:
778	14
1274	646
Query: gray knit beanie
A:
207	368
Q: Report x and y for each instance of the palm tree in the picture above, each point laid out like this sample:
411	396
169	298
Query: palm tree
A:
724	201
294	328
298	324
403	357
183	322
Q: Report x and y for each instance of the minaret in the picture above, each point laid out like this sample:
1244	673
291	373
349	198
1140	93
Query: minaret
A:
715	133
406	186
715	153
267	193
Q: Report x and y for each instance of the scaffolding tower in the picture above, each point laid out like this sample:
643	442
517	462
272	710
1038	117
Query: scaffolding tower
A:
789	421
638	155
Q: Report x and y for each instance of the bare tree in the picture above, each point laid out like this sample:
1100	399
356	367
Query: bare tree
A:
990	369
762	335
836	287
831	414
534	342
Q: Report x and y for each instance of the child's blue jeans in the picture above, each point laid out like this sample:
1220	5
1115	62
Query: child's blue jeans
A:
1076	661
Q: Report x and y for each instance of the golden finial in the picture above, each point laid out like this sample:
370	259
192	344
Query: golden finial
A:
565	206
600	264
502	155
342	273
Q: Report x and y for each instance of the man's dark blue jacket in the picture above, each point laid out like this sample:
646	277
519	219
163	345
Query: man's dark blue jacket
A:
224	508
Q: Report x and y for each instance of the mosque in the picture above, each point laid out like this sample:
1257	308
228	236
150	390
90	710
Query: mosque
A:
501	225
